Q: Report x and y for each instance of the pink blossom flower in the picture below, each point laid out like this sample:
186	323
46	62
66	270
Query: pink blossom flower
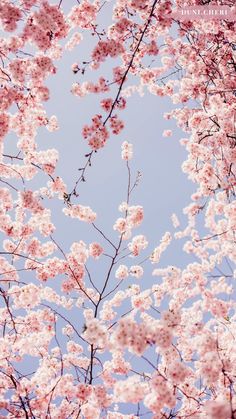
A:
127	151
95	250
167	133
122	272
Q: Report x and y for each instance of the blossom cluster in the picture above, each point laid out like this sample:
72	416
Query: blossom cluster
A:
99	338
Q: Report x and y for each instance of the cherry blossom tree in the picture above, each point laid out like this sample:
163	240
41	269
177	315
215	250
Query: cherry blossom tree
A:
148	348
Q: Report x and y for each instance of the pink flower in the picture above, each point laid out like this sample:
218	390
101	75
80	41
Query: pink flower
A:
95	250
52	124
175	220
167	133
217	409
136	271
74	41
137	244
127	151
122	272
81	212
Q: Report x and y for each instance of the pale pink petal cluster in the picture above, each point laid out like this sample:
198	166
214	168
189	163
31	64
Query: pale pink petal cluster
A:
164	243
95	250
137	244
126	151
81	212
122	272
